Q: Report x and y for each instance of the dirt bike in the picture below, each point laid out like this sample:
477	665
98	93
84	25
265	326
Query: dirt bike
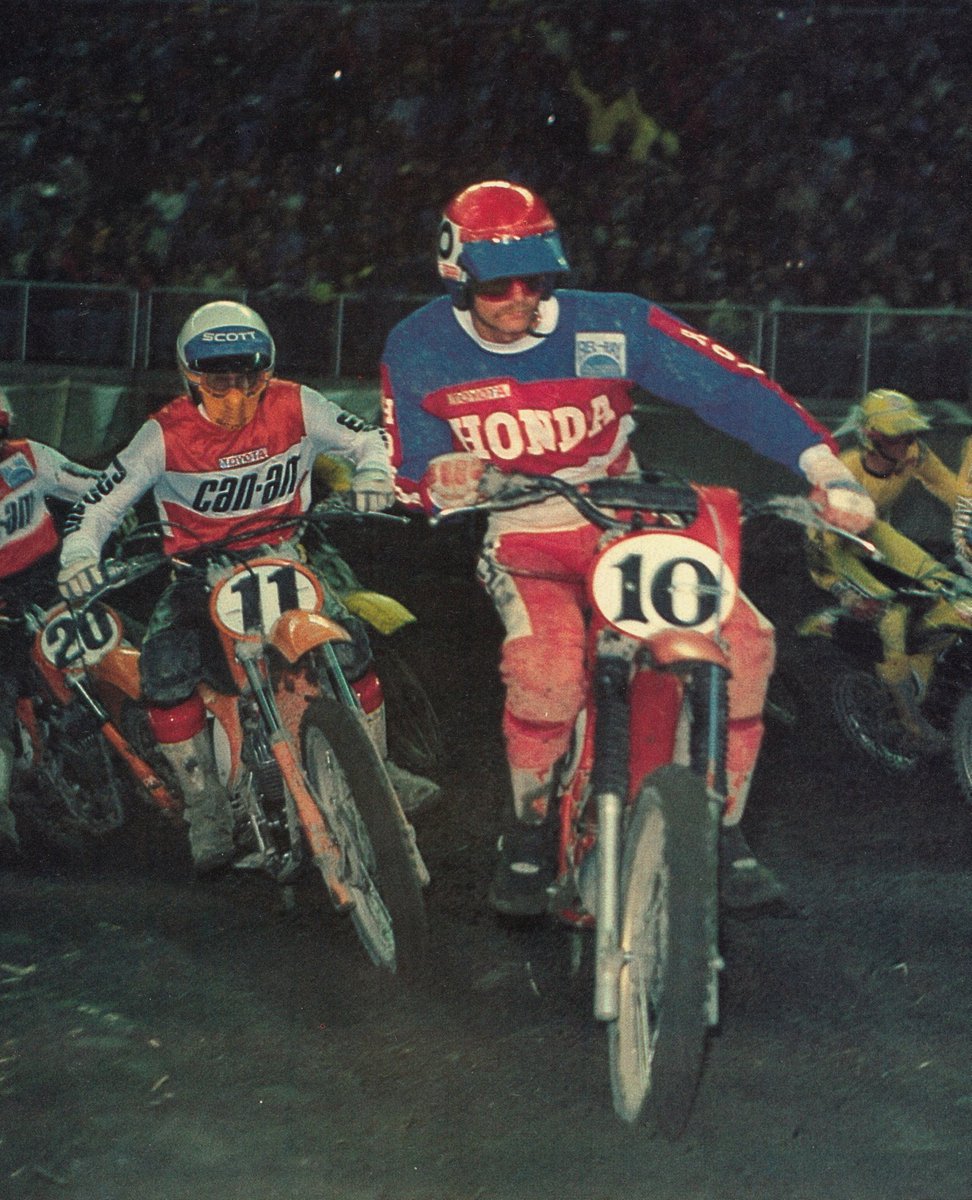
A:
934	717
67	791
298	748
640	794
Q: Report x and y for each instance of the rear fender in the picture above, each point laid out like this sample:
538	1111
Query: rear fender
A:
382	613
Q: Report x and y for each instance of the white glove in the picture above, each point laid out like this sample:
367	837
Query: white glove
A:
452	480
80	578
844	502
372	490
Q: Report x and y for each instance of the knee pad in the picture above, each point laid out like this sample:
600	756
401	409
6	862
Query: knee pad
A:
752	656
544	680
170	666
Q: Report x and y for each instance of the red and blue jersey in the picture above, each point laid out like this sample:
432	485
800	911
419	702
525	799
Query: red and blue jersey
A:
29	473
558	401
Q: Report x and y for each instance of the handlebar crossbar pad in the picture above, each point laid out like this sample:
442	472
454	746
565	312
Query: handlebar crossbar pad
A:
647	494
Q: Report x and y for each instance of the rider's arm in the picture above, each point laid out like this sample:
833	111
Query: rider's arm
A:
60	477
334	430
117	488
936	477
962	512
686	367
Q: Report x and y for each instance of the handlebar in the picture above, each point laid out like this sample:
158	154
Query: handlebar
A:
651	491
120	570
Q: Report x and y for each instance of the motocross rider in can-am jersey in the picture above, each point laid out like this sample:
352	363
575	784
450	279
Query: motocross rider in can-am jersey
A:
512	370
30	472
234	451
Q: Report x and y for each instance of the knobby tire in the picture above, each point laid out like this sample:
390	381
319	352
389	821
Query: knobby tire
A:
656	1046
363	814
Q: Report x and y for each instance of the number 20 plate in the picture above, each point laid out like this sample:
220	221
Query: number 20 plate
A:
648	582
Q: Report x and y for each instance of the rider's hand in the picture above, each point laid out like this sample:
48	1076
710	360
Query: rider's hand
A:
843	501
80	578
452	480
371	490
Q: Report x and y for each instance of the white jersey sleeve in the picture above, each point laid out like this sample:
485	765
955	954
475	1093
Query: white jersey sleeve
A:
59	476
122	484
334	430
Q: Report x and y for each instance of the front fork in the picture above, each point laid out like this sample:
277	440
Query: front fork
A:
326	852
609	787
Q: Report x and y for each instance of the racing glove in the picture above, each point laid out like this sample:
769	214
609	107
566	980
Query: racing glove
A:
843	501
372	490
80	578
452	480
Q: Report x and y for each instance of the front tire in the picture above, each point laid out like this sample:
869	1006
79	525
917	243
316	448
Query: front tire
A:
962	745
351	788
669	905
867	716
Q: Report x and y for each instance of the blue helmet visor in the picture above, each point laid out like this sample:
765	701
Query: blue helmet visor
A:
215	349
541	254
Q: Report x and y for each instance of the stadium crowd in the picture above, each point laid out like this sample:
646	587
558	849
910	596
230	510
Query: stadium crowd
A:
693	152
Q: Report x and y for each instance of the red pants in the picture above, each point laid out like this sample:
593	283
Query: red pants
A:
536	581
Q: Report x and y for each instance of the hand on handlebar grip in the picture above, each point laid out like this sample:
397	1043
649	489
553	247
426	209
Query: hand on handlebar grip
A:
79	579
452	480
848	508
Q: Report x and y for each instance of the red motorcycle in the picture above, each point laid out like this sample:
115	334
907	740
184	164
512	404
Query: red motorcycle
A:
641	791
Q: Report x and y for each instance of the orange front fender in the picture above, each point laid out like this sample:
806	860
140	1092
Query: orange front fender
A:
119	668
295	632
674	646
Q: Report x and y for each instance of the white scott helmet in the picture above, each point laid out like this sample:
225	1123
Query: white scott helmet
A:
226	355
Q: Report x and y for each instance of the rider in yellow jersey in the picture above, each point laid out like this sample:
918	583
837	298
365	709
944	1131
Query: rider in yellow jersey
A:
888	457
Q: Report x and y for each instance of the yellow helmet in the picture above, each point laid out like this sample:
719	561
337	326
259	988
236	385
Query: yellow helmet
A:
892	413
887	413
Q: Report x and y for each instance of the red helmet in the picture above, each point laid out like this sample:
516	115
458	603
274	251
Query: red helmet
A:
497	230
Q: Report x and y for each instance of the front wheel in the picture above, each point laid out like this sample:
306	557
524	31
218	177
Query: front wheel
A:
962	745
867	715
351	788
669	950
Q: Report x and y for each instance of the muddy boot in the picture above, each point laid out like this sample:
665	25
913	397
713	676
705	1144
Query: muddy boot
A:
415	792
525	870
907	701
745	885
207	805
9	841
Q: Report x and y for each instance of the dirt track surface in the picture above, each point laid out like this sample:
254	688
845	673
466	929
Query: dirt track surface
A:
163	1039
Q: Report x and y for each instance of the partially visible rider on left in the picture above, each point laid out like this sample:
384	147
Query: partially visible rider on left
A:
235	449
30	472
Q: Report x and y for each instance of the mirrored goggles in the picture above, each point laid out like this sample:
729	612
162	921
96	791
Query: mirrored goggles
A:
502	288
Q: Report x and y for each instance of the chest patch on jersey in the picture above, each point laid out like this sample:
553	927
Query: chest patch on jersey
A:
16	471
600	355
230	461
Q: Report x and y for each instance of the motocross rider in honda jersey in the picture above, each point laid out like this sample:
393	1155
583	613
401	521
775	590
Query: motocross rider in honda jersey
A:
235	451
513	371
30	472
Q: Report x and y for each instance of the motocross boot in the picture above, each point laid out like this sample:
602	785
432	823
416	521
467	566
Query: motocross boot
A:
9	841
415	792
906	692
207	804
527	850
745	885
